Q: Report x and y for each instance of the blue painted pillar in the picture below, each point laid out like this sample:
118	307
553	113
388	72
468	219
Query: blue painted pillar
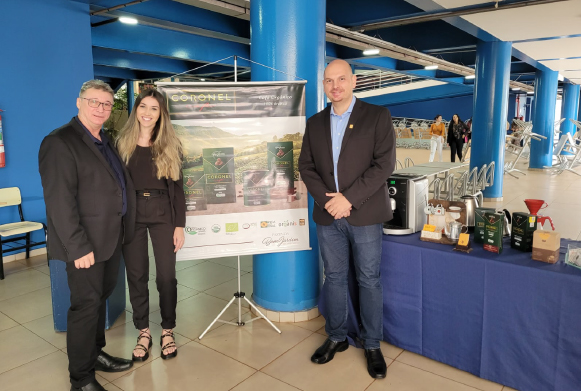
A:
511	107
546	83
130	96
529	108
570	107
289	36
490	110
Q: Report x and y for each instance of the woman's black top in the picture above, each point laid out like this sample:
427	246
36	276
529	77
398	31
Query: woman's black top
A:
456	131
143	170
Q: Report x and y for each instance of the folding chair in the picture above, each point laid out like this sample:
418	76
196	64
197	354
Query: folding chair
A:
10	196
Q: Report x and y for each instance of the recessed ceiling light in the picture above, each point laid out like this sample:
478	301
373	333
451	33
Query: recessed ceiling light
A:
202	79
430	67
470	77
560	77
370	52
127	20
516	89
530	92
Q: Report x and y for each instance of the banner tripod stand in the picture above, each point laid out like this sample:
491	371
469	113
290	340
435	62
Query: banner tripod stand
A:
239	295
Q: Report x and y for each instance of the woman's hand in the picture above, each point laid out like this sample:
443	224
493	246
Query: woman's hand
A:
178	238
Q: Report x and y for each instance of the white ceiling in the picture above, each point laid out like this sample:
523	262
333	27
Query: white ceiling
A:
564	65
534	22
550	49
574	76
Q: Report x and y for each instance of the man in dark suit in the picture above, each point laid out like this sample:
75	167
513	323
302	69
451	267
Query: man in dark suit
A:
90	210
348	154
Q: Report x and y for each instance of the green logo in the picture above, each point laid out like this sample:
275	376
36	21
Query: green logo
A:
215	228
231	227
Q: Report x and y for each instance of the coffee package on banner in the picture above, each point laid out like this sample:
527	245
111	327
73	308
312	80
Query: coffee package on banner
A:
256	187
479	223
524	226
493	231
219	172
194	185
279	155
546	246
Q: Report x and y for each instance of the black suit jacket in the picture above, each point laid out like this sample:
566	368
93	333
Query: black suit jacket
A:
83	198
178	201
366	161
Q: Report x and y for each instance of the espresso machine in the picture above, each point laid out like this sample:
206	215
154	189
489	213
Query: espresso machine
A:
410	194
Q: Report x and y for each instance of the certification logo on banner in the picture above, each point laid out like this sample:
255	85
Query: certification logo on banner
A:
242	142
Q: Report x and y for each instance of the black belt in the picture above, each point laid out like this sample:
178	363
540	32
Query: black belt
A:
151	193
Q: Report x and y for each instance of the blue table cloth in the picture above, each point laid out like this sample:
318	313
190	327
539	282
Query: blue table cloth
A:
502	317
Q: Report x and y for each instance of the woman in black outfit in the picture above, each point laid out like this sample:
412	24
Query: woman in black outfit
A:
153	154
456	131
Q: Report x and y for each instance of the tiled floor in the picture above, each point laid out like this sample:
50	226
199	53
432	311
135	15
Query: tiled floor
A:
254	357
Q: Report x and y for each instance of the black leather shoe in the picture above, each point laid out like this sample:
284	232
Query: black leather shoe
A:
92	386
326	351
375	363
107	363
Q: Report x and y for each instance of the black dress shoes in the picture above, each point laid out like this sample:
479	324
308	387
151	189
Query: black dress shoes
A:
107	363
326	351
92	386
375	363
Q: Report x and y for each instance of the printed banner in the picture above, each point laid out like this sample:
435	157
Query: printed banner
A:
242	143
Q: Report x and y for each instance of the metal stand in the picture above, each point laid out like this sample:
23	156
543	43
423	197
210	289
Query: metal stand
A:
239	295
524	135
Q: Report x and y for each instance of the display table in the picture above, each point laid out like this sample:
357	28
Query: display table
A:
505	318
61	296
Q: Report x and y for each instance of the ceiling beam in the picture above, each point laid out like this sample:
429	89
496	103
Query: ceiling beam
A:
429	16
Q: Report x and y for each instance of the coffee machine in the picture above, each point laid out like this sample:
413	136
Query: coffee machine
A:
410	193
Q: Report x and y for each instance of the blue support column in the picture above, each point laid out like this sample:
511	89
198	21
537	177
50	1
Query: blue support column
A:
543	117
570	107
130	96
490	110
511	113
289	36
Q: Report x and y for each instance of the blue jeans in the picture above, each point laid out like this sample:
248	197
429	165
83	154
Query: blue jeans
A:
337	241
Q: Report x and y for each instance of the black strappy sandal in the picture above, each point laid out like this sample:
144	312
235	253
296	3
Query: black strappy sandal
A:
168	345
139	346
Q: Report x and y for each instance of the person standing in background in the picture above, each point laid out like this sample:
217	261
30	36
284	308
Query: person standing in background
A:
456	131
437	130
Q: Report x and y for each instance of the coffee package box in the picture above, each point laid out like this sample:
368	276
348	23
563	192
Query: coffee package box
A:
279	155
219	173
493	231
546	246
523	227
194	185
479	223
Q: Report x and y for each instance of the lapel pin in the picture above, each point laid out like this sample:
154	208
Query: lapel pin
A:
350	126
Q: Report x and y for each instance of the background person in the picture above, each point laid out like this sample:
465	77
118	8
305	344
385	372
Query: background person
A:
90	208
153	153
456	131
437	130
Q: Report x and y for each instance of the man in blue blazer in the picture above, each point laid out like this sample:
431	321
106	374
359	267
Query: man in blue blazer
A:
348	154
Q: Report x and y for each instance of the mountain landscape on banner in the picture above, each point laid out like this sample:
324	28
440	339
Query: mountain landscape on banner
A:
250	151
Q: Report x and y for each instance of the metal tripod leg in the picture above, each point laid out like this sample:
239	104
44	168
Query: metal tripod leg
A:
239	295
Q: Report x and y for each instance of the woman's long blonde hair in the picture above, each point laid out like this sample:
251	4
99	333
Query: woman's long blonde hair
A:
166	148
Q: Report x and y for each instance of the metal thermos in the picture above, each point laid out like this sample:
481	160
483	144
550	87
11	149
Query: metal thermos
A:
471	203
